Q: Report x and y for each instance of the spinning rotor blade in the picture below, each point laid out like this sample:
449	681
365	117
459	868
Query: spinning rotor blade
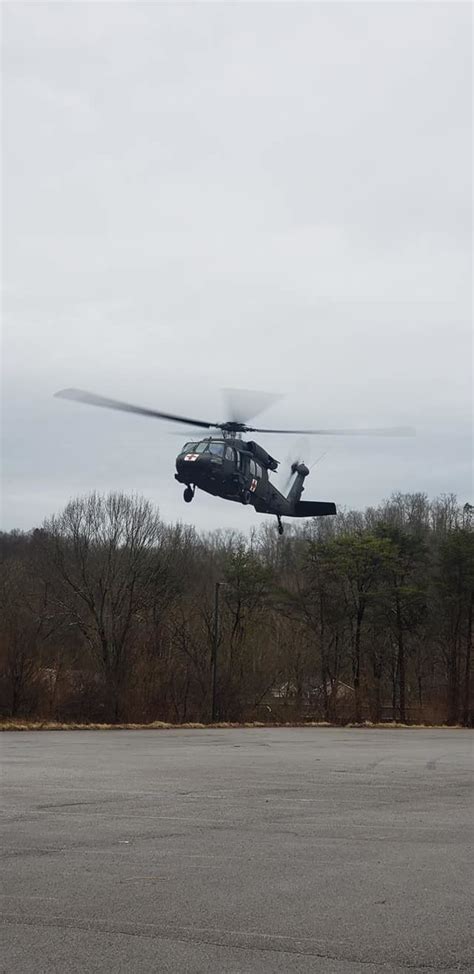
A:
300	448
382	431
244	404
250	403
311	466
187	434
80	395
290	478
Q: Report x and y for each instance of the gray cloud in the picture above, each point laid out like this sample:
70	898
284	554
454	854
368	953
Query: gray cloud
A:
268	195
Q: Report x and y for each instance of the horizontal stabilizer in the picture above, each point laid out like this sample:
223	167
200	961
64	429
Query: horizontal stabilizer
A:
314	508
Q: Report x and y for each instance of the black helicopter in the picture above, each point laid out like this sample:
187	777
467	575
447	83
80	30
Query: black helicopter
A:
235	469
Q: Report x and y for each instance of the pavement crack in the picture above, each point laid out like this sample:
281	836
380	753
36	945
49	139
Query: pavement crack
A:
224	939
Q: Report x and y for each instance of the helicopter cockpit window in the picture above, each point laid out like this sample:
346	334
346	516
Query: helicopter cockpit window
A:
229	453
202	447
217	449
189	448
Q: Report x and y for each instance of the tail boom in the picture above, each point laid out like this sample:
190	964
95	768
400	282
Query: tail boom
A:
301	508
314	509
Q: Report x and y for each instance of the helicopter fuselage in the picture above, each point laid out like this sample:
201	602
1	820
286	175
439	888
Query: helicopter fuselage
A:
237	470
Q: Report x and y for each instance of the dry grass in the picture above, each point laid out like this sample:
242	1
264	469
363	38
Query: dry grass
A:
395	725
52	725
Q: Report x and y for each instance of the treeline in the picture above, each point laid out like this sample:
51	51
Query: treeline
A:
107	614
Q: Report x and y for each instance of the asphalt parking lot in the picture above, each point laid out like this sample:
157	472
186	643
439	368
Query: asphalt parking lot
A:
237	851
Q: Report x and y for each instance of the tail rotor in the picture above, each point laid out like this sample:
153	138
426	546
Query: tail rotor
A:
295	465
299	472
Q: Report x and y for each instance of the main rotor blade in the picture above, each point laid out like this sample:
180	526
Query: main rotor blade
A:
377	431
189	434
244	404
80	395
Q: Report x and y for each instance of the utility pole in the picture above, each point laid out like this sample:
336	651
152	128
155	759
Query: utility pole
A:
214	652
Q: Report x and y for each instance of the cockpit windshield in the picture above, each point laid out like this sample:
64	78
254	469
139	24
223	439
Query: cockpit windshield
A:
216	447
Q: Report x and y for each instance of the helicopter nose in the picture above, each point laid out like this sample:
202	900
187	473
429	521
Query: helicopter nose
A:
186	458
191	464
187	462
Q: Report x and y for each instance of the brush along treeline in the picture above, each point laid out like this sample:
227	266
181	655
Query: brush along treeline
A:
107	615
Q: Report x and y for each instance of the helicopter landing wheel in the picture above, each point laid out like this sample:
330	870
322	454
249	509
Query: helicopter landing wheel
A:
246	497
188	494
280	525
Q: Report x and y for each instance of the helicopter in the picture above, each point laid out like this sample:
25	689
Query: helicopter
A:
225	465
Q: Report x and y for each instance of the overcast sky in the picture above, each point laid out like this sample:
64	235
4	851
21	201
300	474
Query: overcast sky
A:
267	195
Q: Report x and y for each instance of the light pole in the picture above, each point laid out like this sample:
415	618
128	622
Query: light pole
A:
214	651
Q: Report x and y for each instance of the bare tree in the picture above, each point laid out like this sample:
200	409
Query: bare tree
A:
108	564
107	613
26	624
